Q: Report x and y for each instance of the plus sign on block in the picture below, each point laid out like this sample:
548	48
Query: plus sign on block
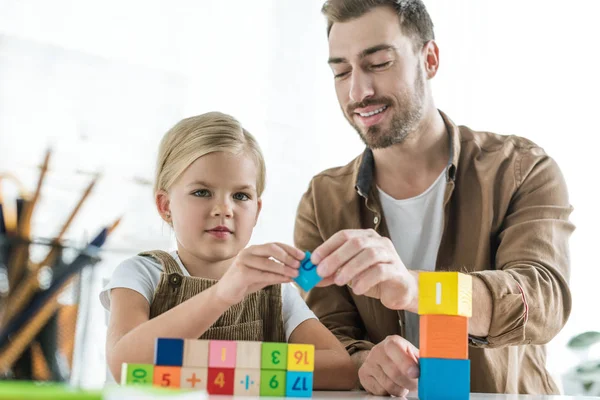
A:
194	378
308	278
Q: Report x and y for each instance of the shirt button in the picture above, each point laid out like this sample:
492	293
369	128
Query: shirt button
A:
376	220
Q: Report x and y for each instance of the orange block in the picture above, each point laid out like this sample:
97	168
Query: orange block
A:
443	336
167	376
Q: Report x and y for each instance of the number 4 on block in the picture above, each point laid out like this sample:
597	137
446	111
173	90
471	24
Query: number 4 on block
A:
220	381
301	357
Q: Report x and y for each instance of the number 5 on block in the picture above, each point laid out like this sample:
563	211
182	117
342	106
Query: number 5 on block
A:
301	357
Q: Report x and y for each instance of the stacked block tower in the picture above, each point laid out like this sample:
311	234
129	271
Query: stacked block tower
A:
445	304
240	368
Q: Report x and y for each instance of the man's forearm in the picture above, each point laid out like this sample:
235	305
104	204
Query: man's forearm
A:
359	358
479	324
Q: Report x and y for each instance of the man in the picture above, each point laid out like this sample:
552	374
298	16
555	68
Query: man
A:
427	194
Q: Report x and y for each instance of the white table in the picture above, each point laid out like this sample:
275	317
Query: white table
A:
474	396
355	395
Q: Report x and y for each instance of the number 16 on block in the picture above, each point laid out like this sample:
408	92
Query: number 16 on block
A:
301	357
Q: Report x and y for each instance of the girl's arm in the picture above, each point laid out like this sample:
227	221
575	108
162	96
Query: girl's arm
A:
131	334
334	369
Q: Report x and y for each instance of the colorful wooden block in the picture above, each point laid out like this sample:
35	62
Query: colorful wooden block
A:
221	354
167	376
447	293
299	384
194	378
247	382
220	381
248	355
137	374
443	336
307	277
301	357
444	379
274	356
168	352
195	353
272	383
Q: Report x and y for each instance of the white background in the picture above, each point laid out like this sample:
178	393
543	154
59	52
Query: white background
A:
101	81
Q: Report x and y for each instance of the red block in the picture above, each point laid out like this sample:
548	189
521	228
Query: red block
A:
220	381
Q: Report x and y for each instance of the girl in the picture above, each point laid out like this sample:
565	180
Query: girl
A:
209	180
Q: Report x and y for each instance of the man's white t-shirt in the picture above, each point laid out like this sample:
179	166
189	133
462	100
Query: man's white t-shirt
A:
142	274
416	226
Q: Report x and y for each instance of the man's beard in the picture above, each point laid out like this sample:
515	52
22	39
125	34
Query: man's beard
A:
404	121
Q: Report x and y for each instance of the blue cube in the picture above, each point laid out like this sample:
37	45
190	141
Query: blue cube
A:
308	278
444	379
169	352
298	384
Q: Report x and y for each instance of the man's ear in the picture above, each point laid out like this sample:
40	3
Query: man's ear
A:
163	206
259	204
431	57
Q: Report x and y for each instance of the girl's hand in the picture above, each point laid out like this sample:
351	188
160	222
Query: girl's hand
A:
256	267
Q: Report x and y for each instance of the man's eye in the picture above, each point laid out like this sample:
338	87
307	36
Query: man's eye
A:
201	193
382	65
241	196
340	75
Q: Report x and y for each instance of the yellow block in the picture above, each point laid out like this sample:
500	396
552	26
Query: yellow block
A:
445	293
301	357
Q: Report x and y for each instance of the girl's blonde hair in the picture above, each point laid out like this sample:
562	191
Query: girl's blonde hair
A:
194	137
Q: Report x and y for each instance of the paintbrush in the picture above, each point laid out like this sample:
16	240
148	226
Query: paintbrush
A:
19	255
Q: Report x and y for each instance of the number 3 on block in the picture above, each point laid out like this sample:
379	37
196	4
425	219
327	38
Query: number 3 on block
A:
301	357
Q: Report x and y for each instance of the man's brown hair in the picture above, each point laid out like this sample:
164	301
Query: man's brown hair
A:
414	19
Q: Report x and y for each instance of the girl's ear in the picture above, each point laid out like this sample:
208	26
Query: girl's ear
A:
259	203
163	205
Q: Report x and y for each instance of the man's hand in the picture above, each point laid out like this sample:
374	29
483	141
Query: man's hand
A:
370	265
390	368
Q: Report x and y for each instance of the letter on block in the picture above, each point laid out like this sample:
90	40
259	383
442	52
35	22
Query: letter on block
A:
447	293
195	353
247	382
167	376
194	378
248	355
272	383
299	384
221	354
307	277
137	374
274	356
220	381
301	357
168	352
443	379
443	336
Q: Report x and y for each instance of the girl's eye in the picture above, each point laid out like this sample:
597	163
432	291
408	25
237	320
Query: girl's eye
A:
241	196
201	193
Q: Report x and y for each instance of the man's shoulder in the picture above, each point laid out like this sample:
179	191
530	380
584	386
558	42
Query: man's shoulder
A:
490	142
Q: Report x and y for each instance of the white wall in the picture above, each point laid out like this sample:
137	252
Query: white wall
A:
101	81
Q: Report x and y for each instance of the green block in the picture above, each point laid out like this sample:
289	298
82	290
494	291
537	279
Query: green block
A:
274	356
272	383
137	374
